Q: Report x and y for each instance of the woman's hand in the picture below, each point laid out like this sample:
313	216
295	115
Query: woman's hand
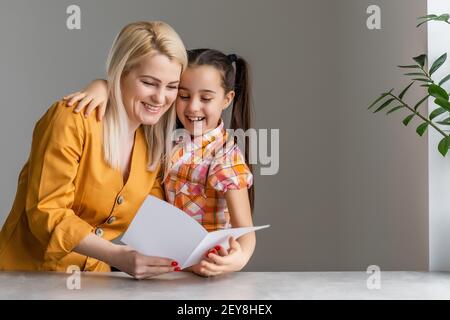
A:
141	266
95	95
220	261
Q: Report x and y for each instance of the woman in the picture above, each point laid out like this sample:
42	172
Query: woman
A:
84	180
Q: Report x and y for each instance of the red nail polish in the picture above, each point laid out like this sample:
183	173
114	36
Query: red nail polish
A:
174	263
217	248
177	269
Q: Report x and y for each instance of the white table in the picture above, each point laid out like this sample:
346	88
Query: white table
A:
236	286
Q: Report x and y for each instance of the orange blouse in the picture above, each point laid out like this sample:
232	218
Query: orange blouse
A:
67	190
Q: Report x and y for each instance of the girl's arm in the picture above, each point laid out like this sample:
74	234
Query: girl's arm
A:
95	95
240	250
240	215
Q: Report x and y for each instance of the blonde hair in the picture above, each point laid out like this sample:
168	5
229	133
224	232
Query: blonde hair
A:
135	41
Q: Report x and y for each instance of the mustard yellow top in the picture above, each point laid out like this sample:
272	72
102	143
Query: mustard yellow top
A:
67	190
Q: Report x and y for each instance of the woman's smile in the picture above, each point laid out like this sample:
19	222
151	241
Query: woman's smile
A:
151	108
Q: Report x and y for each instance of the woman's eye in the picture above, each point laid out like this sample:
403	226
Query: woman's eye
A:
206	99
172	87
183	97
148	83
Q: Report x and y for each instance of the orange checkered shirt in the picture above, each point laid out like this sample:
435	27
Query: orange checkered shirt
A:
202	170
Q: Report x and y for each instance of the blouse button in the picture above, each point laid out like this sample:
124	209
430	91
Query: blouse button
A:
111	220
99	232
120	200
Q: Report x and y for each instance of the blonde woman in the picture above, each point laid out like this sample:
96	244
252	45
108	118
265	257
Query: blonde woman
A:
84	179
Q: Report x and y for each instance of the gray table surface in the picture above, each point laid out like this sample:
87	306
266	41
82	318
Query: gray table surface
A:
239	285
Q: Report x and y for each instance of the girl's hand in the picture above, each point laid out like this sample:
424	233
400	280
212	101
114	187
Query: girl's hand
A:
222	261
141	266
95	95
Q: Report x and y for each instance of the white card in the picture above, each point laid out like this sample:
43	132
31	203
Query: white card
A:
160	229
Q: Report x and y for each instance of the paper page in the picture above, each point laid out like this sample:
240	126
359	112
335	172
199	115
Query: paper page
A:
215	238
160	229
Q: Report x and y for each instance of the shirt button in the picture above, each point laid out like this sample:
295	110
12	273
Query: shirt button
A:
120	200
111	220
99	232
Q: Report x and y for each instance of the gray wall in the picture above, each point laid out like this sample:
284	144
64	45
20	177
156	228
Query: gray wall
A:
352	186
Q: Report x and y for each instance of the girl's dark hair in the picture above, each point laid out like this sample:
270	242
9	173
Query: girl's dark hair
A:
237	79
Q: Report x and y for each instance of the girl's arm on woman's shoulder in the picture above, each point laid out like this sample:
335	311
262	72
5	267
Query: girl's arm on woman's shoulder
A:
95	95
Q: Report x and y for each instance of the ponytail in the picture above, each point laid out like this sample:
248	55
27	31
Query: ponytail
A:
241	112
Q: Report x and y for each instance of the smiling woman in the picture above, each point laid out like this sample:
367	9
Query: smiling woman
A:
85	179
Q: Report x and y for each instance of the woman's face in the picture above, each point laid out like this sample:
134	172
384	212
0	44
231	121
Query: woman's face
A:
149	89
201	99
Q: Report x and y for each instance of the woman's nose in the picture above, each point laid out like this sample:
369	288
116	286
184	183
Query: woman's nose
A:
158	96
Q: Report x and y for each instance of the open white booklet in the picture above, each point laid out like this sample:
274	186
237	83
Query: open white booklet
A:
162	230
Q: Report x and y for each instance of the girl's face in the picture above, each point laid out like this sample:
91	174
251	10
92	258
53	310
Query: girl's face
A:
149	89
201	99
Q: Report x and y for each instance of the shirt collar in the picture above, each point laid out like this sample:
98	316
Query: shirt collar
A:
205	139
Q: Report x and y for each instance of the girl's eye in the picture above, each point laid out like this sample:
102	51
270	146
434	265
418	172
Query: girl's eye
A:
172	87
206	99
183	97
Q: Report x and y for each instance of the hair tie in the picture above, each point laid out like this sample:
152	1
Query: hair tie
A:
232	57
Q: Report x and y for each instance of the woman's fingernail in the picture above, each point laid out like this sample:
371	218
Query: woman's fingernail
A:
217	248
177	269
174	263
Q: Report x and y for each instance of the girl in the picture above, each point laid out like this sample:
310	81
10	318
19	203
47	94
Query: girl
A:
207	176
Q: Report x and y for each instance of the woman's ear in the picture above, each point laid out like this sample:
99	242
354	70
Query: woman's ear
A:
228	99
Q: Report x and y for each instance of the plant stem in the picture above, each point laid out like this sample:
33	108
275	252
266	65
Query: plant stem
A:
418	114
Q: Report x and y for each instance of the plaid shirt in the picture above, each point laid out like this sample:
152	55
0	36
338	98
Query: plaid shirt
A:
202	170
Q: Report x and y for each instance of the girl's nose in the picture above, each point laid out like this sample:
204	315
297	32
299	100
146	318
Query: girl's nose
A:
193	105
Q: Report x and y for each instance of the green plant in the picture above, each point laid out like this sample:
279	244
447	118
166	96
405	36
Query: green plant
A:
419	73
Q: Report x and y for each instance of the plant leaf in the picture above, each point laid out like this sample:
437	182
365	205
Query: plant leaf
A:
421	128
437	92
414	74
436	64
410	66
443	103
423	79
444	145
380	97
421	59
420	102
422	23
394	109
445	122
404	90
444	79
442	17
408	119
436	112
427	16
384	105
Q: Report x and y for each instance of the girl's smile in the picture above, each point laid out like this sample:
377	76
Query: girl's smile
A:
201	99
